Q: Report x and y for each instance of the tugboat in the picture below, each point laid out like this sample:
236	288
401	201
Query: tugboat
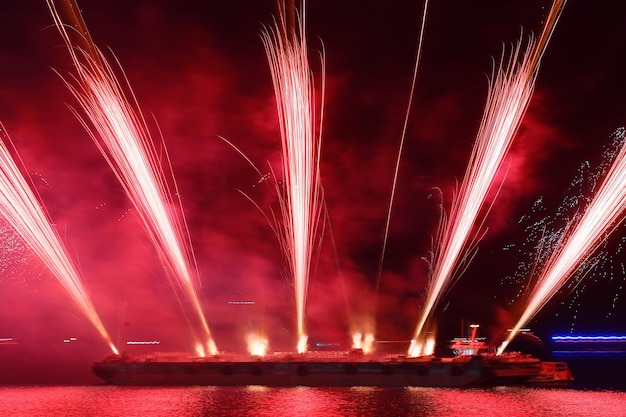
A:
511	368
552	373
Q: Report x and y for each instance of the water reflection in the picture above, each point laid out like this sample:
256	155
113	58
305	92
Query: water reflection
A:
306	401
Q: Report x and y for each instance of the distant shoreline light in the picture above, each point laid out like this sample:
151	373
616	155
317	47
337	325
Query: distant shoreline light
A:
589	339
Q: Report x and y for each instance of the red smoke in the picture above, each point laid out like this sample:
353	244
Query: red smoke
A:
201	72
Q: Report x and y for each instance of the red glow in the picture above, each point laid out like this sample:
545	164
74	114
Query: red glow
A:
509	95
583	236
20	207
510	92
201	71
120	132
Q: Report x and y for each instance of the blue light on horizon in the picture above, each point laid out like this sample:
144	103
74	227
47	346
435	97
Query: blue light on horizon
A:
591	339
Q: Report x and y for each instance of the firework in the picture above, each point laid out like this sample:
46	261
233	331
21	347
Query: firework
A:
21	208
509	95
301	199
544	232
582	237
118	128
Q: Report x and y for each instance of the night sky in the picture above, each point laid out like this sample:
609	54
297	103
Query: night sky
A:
199	70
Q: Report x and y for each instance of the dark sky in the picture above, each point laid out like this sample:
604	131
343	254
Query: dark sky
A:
198	68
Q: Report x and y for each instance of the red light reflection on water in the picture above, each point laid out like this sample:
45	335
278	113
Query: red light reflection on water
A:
261	401
522	402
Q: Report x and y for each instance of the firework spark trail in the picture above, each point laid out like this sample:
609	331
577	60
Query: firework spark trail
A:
583	236
21	208
120	132
508	98
402	138
507	101
301	200
546	33
543	233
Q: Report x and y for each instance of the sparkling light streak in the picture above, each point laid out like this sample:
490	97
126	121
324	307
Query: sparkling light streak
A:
544	232
401	147
394	183
509	94
21	208
119	130
583	236
301	199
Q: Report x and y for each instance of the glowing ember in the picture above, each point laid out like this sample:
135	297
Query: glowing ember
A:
363	342
20	207
200	350
257	344
430	347
415	349
509	95
211	347
302	344
368	343
120	132
426	348
301	200
583	237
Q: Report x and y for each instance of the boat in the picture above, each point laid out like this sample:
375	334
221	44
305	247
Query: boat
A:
351	368
473	364
510	368
552	373
513	368
294	370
